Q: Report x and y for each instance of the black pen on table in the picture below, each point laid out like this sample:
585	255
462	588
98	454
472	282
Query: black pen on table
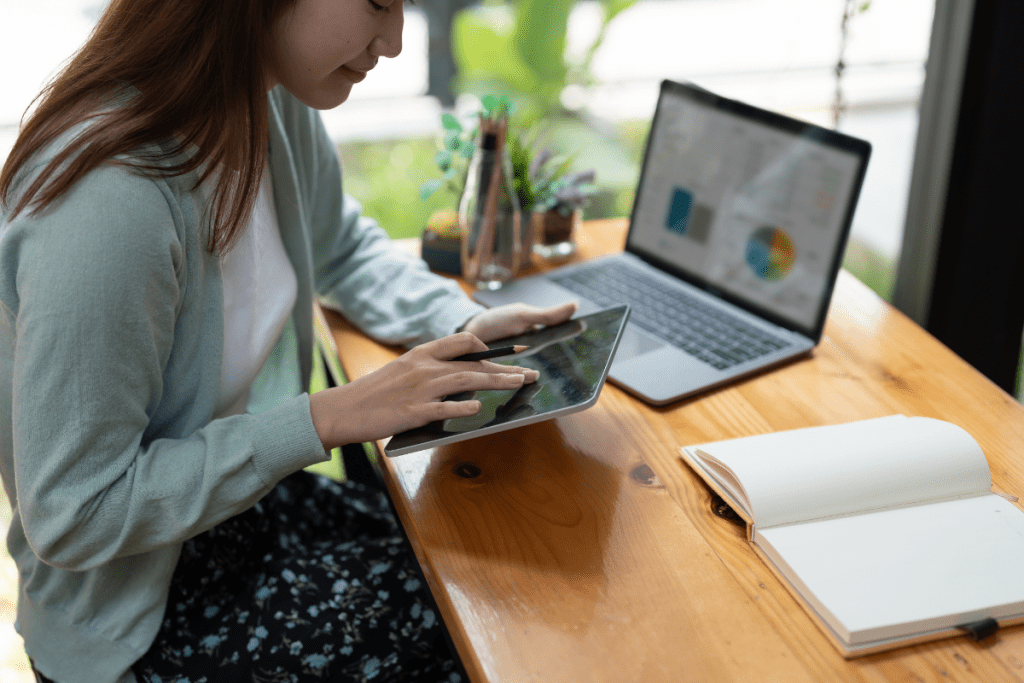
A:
492	353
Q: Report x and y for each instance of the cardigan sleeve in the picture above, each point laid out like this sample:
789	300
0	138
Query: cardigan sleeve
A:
387	293
95	294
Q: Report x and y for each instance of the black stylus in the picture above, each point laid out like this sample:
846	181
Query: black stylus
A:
492	353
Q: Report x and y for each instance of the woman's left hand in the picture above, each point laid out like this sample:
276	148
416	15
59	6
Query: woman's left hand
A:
512	319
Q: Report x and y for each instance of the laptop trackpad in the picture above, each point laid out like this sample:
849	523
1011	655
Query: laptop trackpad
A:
635	344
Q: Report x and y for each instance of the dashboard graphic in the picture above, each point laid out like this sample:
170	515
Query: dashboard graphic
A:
770	253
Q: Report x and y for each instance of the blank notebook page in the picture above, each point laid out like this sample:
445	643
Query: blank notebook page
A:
871	573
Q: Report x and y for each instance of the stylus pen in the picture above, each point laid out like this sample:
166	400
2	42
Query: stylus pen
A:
492	353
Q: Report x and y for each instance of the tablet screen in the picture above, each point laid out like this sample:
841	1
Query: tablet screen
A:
572	358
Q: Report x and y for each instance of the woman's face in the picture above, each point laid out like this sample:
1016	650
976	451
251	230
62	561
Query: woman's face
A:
322	47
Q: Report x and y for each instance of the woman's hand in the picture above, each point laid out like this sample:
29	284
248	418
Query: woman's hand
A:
511	319
408	391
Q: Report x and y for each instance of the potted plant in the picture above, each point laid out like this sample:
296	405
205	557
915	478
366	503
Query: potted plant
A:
555	195
549	193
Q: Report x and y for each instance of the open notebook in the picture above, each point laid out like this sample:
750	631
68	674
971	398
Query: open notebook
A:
886	530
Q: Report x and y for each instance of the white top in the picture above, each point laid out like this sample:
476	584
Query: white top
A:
260	288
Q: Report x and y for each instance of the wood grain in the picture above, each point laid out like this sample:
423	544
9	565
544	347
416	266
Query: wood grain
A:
582	549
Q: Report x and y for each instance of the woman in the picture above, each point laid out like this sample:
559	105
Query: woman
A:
169	212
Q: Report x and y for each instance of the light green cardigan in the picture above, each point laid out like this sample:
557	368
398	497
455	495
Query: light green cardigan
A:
111	335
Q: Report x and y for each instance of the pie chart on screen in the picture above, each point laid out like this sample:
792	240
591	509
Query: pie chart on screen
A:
770	253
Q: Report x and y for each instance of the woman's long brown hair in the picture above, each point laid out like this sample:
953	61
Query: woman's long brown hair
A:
200	70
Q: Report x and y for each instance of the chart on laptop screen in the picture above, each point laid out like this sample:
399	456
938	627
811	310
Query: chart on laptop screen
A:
751	209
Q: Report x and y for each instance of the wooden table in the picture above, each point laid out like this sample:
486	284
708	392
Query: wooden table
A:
586	551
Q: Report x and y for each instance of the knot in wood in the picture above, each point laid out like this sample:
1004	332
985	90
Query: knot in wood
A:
644	475
467	470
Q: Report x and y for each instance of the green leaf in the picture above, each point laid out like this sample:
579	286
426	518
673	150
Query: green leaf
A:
491	104
430	187
451	123
467	149
443	159
452	141
498	109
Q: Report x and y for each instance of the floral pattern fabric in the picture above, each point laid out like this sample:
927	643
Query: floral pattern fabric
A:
314	583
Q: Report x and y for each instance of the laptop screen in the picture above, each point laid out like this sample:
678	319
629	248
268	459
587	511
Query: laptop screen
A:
749	204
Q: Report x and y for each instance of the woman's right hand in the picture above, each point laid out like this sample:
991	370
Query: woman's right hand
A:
408	392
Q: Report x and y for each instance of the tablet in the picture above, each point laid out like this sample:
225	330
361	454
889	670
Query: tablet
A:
573	360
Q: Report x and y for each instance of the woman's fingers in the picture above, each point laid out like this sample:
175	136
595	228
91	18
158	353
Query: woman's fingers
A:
433	409
458	382
504	321
530	374
409	391
447	410
554	314
452	346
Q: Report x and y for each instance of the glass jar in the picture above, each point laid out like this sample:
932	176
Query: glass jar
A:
489	213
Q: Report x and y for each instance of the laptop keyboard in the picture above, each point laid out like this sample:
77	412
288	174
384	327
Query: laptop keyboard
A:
701	330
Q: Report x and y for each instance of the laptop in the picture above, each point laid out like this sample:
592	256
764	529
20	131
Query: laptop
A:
735	241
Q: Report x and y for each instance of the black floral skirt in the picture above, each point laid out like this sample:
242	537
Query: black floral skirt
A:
314	583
